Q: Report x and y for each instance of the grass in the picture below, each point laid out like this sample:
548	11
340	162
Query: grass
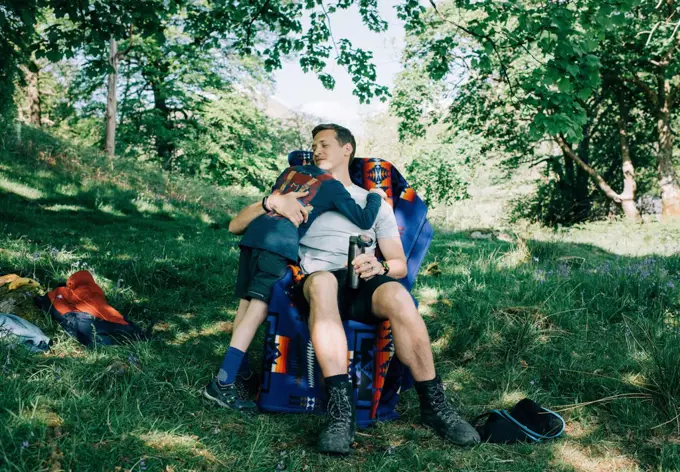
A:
582	320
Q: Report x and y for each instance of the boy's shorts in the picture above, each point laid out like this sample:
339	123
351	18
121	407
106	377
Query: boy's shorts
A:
258	271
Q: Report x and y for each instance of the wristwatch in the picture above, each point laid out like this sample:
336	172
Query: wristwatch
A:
385	266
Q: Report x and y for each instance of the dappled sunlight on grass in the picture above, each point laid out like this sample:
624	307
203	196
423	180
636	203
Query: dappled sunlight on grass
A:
22	190
441	343
110	210
514	258
605	459
172	442
577	428
635	378
427	294
64	208
205	218
511	398
88	244
631	240
42	413
67	190
218	328
144	206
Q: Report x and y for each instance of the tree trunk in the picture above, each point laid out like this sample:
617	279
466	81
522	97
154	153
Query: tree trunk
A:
629	186
668	179
33	95
111	105
582	201
164	145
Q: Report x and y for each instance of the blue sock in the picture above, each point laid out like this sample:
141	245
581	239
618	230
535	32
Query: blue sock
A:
244	370
230	365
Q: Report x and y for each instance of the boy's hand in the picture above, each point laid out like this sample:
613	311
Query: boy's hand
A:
379	191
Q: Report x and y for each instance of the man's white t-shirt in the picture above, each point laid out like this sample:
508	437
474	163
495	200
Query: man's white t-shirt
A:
325	245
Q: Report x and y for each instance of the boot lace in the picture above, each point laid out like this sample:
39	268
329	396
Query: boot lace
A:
339	410
442	407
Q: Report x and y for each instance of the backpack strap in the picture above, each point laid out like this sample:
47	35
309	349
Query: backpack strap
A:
536	437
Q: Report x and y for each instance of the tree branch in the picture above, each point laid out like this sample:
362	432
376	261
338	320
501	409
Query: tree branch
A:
566	149
646	89
249	28
122	54
330	29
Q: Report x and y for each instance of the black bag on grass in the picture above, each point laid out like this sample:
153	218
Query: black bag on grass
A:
525	422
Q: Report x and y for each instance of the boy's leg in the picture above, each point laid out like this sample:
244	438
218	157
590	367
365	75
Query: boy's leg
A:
229	389
240	312
245	330
242	336
264	269
244	371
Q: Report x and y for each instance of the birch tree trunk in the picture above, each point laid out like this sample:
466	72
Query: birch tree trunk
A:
111	105
629	185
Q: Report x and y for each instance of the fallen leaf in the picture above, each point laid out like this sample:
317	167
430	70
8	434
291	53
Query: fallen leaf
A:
5	279
446	302
432	269
21	282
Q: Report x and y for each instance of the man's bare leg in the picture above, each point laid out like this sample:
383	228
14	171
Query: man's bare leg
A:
325	325
412	342
330	345
391	301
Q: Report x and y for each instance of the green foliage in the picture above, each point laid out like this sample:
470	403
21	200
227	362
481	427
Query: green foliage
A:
234	143
442	173
268	31
17	26
525	74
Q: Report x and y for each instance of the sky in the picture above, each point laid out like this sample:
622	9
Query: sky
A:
304	92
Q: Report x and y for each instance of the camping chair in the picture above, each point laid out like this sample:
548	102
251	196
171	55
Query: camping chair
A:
292	379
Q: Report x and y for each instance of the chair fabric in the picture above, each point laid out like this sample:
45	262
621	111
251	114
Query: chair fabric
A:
292	380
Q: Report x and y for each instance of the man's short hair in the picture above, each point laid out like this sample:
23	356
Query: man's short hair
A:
342	134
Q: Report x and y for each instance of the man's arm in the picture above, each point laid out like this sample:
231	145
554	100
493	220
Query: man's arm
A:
285	205
367	265
240	222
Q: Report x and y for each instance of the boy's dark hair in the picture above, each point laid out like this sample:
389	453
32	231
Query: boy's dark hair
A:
342	134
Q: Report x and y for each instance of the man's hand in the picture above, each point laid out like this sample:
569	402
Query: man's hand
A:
288	206
367	266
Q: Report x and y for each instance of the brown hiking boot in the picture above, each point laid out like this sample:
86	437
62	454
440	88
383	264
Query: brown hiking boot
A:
438	414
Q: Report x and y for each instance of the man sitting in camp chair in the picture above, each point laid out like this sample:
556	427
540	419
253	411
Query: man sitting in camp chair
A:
324	291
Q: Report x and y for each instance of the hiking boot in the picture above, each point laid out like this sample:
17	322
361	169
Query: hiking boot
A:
232	396
438	414
248	386
338	435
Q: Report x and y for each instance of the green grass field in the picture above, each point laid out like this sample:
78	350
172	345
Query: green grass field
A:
584	321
